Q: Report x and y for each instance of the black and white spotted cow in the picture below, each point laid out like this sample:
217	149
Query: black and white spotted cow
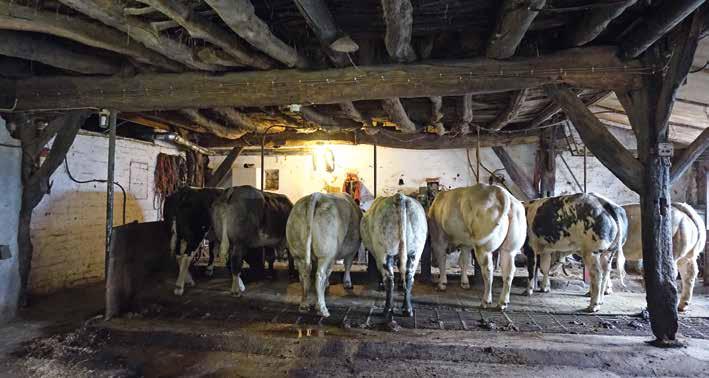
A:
186	211
587	224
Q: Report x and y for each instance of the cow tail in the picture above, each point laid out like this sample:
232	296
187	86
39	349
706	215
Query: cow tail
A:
309	239
221	220
621	219
403	250
701	231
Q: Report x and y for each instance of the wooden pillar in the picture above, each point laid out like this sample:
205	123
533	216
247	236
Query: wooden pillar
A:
547	162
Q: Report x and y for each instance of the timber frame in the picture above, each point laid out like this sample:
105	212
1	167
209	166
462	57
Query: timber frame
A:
222	73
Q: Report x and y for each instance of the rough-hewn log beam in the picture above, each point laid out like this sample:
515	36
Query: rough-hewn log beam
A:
320	20
224	167
281	87
466	114
240	120
213	127
240	16
39	49
17	17
594	23
384	138
515	17
395	109
513	108
399	20
350	111
138	11
217	57
437	114
681	163
523	182
111	13
140	120
663	18
553	108
609	151
201	28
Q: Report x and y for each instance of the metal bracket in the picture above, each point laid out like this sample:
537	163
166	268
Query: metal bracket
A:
665	150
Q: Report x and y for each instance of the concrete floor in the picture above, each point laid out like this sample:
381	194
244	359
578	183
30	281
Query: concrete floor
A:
208	332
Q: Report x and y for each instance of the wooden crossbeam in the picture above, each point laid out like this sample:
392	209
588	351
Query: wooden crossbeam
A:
515	17
200	27
383	138
513	108
466	114
437	114
399	20
682	162
240	16
594	23
39	49
240	120
663	18
596	136
20	18
224	167
218	57
210	125
523	182
320	20
281	87
111	13
128	11
397	114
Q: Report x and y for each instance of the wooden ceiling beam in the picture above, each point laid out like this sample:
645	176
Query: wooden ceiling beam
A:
594	23
218	57
128	11
201	28
513	21
240	17
240	120
211	126
383	138
663	18
437	114
281	87
399	20
397	114
516	101
318	17
466	114
20	18
110	13
682	162
553	108
39	49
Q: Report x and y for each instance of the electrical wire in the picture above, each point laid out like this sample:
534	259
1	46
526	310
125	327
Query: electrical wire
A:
68	172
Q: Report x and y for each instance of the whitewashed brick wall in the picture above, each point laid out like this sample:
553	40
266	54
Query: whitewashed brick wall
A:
68	226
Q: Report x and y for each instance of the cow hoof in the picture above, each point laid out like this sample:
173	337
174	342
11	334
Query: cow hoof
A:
682	306
485	304
545	290
441	287
179	291
304	308
608	292
529	292
593	308
503	306
347	285
209	272
407	313
324	313
588	294
465	285
236	294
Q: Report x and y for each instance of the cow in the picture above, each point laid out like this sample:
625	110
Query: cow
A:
245	218
587	224
688	238
393	227
187	213
322	228
484	218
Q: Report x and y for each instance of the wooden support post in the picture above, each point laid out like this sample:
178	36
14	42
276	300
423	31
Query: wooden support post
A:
224	167
523	182
683	162
35	177
547	161
515	17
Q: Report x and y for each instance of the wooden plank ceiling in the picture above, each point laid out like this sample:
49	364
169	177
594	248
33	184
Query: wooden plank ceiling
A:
223	71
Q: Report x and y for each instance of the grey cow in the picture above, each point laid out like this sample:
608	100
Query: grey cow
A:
395	226
322	228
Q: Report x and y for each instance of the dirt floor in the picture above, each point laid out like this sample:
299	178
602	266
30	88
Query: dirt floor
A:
208	332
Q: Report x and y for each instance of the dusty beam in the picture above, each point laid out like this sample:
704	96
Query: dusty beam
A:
509	114
320	20
384	138
594	23
399	20
523	182
396	112
683	161
577	67
515	17
609	151
39	49
662	20
224	167
16	17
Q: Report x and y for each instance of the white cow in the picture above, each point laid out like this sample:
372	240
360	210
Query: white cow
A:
587	224
480	217
322	228
395	227
688	239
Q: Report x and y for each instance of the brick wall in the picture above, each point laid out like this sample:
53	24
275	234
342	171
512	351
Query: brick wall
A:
68	226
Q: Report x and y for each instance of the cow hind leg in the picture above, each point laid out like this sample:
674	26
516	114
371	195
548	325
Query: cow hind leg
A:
464	262
411	263
236	262
688	269
545	266
210	264
620	264
592	263
507	260
321	283
347	278
486	266
442	257
388	274
305	281
183	260
605	259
